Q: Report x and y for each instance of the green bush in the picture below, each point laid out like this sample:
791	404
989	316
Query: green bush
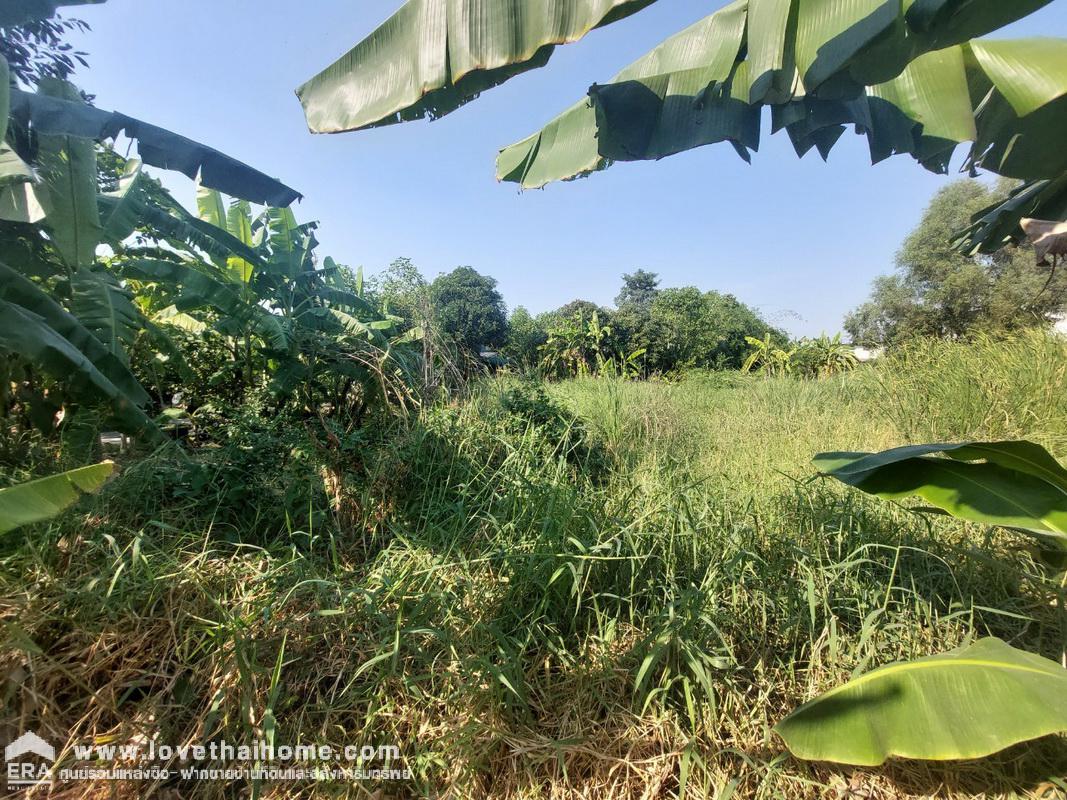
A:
529	406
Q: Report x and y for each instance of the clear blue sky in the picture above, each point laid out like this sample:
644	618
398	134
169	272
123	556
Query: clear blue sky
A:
799	240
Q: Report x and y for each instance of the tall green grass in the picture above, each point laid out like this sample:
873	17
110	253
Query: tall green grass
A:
613	593
989	388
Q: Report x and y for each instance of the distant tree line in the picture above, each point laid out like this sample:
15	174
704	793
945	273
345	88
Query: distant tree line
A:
650	329
935	292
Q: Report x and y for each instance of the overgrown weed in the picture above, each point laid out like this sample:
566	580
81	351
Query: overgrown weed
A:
523	622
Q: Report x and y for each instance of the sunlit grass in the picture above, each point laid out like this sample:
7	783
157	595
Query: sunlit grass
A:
525	622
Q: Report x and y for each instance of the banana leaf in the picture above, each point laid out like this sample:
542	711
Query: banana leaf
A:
157	146
967	703
210	206
106	309
67	166
140	201
45	498
1000	224
191	288
19	203
5	97
13	170
908	81
29	335
432	56
27	295
1018	485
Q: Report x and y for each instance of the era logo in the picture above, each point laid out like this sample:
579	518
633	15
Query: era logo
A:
26	773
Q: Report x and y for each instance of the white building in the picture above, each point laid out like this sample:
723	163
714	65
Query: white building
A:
865	354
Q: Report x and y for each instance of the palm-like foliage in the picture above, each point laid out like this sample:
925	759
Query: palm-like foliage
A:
67	312
578	347
902	87
995	694
564	352
45	498
292	324
252	280
911	76
432	57
767	357
825	356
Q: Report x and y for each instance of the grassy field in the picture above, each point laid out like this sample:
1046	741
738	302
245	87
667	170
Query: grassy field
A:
596	590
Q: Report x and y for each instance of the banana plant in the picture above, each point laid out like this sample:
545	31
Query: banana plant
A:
294	324
977	700
768	357
563	353
45	498
578	347
825	356
62	313
69	313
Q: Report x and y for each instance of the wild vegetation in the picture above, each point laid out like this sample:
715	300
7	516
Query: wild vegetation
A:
654	550
607	588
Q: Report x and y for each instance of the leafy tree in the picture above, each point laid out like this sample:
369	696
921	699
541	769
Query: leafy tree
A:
37	49
700	329
938	291
468	307
633	323
525	337
403	290
638	290
583	309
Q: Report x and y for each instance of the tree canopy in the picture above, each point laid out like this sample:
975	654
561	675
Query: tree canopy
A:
672	328
937	291
403	290
469	308
691	328
638	289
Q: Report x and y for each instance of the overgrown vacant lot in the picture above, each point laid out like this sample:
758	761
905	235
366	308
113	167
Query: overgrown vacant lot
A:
533	604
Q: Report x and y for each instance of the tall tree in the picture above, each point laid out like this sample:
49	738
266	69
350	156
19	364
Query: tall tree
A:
469	308
403	290
638	289
577	311
937	291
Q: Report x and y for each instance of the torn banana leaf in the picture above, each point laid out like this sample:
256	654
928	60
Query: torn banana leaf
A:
157	146
432	56
905	79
